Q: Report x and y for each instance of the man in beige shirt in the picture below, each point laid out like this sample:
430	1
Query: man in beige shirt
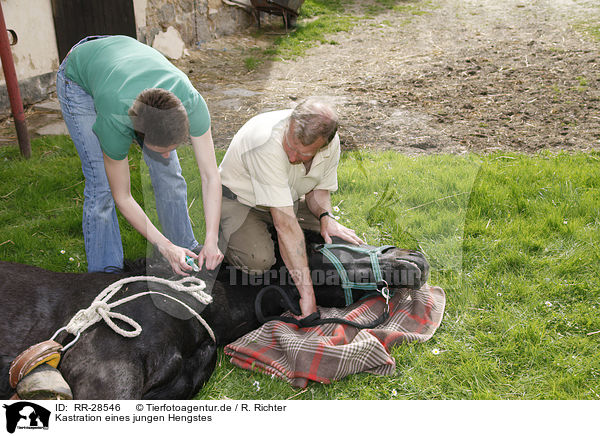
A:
280	169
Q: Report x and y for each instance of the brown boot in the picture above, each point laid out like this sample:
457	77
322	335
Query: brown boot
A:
44	383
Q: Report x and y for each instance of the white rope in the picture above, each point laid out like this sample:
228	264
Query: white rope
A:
101	308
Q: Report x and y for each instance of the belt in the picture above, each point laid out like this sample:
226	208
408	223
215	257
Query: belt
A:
228	193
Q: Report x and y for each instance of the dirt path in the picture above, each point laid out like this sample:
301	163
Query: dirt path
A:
434	76
437	76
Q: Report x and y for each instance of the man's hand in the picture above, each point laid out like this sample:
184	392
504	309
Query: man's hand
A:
211	255
308	306
330	228
319	201
293	252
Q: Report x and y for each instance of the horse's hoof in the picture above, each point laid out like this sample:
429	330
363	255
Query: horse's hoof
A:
44	383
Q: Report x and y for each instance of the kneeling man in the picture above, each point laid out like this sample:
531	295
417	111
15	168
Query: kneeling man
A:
280	169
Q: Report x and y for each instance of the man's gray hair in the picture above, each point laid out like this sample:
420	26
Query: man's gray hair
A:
313	119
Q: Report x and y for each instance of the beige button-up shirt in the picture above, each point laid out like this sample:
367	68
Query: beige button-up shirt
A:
256	167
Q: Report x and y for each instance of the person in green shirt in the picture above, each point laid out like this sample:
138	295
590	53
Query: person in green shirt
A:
114	90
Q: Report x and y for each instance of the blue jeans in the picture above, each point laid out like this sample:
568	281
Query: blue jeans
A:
101	234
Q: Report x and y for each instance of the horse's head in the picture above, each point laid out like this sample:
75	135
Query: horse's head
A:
398	268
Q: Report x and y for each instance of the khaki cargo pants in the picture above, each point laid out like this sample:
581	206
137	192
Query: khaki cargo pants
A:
245	234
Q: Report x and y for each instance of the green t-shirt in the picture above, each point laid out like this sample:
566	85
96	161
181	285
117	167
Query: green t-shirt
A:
114	70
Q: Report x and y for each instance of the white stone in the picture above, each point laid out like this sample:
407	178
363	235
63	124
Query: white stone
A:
57	128
169	43
50	104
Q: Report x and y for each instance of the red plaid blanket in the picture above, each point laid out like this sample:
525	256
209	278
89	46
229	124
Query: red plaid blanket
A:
332	351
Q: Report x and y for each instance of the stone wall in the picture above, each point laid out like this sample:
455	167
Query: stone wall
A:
196	21
32	89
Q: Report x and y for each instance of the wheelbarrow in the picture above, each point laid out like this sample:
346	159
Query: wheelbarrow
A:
288	9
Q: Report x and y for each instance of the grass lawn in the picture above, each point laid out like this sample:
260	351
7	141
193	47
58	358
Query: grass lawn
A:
513	240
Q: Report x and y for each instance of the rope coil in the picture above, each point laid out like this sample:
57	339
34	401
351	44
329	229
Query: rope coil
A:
102	309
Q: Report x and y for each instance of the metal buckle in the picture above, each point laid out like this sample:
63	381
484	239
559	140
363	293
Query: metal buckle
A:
60	330
385	292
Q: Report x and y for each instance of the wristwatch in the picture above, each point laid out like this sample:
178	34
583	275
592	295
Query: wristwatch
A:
329	214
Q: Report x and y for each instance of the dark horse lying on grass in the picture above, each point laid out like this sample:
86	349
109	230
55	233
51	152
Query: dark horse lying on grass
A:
173	356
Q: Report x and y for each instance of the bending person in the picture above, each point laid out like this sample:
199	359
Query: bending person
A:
280	169
114	90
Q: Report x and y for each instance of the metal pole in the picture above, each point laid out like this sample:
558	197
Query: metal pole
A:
12	85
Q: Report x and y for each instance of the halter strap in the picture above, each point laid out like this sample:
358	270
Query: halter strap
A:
347	284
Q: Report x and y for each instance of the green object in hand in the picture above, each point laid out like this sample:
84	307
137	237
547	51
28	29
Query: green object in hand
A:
191	263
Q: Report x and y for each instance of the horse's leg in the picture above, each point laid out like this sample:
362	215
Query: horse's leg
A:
114	380
182	377
104	365
100	366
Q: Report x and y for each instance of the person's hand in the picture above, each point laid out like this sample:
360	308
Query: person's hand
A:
330	228
210	255
176	257
308	306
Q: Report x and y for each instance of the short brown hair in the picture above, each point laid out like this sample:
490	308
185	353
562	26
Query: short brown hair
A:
314	119
159	118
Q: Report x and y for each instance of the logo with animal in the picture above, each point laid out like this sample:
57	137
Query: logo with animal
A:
26	415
